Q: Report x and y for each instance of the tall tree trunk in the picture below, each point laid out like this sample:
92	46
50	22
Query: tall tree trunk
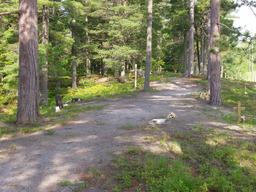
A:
190	68
28	92
208	47
149	45
141	42
44	70
198	50
88	67
103	70
74	78
215	68
185	59
185	36
88	61
159	48
204	54
122	76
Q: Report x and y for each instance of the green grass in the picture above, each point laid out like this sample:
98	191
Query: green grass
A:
131	126
74	186
207	161
234	91
49	132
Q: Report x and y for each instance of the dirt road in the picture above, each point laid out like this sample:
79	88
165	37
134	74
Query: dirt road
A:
38	162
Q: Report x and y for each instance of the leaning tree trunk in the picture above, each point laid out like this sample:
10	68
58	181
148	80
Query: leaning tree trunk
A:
28	92
214	57
190	68
149	45
44	70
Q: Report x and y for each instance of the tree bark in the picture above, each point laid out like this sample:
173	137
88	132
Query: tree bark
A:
204	54
149	45
88	61
185	65
74	78
190	68
103	71
122	76
28	91
208	47
214	57
185	36
44	70
198	50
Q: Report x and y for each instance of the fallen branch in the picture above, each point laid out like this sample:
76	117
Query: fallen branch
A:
10	12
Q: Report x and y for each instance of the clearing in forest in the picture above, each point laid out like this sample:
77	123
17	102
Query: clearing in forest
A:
85	154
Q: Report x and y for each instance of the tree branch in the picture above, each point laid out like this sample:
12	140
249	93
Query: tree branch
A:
250	5
236	31
10	12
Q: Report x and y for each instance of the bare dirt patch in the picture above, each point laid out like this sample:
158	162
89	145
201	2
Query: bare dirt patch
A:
38	162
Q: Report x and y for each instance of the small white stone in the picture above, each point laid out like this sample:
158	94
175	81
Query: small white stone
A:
65	105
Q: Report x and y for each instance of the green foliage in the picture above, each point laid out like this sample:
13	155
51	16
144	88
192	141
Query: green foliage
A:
8	60
235	63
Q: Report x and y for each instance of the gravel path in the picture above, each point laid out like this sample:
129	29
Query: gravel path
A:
38	162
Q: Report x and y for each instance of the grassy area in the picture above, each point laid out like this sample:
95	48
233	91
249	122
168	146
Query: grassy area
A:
208	161
243	91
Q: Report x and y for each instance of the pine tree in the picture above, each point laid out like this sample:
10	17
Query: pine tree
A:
28	95
149	45
214	57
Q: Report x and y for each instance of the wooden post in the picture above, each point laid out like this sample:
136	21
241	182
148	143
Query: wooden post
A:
136	74
239	108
